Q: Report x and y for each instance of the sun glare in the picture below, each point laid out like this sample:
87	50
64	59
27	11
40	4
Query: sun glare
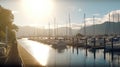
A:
38	50
38	8
41	53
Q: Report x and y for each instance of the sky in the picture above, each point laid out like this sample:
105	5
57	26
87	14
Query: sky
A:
41	12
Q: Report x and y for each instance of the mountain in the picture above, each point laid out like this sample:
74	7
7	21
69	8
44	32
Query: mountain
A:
101	29
33	31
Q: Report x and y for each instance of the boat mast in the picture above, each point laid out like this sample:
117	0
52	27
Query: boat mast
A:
70	29
118	17
84	24
43	31
94	25
57	31
113	24
118	22
110	32
66	30
54	27
49	30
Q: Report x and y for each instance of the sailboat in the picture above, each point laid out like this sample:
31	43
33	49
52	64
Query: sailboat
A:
58	43
114	44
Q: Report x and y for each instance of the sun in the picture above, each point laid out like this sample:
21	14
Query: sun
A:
38	8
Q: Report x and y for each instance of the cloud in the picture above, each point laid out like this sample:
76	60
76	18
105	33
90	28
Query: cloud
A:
97	20
112	16
89	21
76	26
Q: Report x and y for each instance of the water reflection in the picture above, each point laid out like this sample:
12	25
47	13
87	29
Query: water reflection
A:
71	56
39	51
60	46
60	50
95	58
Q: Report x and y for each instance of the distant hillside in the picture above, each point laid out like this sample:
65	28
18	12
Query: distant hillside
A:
105	28
32	31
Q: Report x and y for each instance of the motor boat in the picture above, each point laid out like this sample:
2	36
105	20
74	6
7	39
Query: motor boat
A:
60	44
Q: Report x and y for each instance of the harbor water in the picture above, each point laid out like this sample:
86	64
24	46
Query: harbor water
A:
70	56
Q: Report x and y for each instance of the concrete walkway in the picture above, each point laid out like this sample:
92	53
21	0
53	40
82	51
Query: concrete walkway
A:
27	59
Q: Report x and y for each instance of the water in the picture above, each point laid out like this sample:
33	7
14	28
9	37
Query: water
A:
70	56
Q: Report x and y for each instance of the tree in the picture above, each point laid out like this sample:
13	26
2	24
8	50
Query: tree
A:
6	20
14	27
2	35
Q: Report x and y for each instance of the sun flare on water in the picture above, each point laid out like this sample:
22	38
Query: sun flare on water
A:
38	50
38	8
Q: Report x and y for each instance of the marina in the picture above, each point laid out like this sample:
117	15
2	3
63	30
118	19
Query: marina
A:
70	56
103	42
59	33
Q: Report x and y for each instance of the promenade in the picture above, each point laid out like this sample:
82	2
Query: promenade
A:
27	59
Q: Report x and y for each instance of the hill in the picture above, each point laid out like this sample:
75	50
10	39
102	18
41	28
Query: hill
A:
100	29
